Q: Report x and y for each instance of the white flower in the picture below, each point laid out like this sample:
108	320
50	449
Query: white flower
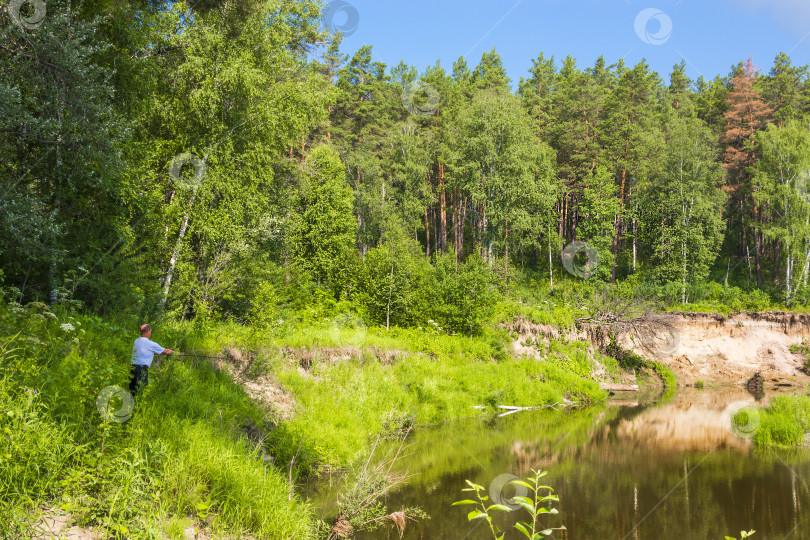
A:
67	327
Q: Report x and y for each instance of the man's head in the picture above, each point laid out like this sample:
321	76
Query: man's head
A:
146	330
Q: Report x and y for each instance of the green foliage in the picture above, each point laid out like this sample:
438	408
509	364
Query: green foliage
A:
180	455
666	374
360	503
709	297
466	292
346	404
683	206
34	452
396	283
784	422
601	206
743	534
535	506
782	177
323	229
61	173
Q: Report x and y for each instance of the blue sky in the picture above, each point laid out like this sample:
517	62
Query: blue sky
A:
711	35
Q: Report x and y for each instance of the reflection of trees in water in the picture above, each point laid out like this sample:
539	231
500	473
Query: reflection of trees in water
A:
715	495
610	471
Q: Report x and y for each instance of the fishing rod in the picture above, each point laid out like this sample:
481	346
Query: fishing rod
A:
201	356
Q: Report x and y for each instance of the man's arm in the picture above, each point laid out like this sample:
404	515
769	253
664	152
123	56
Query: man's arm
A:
167	352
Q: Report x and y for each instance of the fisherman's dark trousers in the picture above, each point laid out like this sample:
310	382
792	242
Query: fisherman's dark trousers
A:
140	378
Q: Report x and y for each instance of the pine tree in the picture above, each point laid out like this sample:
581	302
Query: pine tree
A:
490	73
746	114
679	93
631	140
367	108
537	94
711	101
578	104
782	89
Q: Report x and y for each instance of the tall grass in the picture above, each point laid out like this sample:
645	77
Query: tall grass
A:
183	457
785	422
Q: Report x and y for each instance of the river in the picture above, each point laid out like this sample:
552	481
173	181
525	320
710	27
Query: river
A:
660	469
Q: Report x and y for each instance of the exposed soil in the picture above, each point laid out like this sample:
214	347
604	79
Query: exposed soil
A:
55	524
717	349
263	388
701	347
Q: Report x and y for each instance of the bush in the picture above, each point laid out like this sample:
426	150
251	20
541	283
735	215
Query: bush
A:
465	294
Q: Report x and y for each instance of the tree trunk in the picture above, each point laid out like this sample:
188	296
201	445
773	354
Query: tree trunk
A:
615	250
167	282
483	238
683	272
390	290
550	261
506	259
359	229
806	268
618	225
757	257
748	258
635	243
427	235
788	277
777	260
461	225
442	211
359	222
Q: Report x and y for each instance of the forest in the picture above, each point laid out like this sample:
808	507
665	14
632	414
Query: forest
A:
213	160
349	251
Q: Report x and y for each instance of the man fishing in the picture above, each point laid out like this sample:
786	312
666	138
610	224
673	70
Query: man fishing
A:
143	351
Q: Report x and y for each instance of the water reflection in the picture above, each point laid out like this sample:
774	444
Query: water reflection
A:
662	471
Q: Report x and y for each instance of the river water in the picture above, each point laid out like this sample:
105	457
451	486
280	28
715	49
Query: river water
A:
668	468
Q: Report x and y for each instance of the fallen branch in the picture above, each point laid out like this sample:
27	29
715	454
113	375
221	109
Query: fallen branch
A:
513	409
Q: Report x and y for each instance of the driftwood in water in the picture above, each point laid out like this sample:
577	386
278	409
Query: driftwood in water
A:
512	409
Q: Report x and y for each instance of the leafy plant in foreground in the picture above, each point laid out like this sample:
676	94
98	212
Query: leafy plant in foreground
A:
743	535
534	505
